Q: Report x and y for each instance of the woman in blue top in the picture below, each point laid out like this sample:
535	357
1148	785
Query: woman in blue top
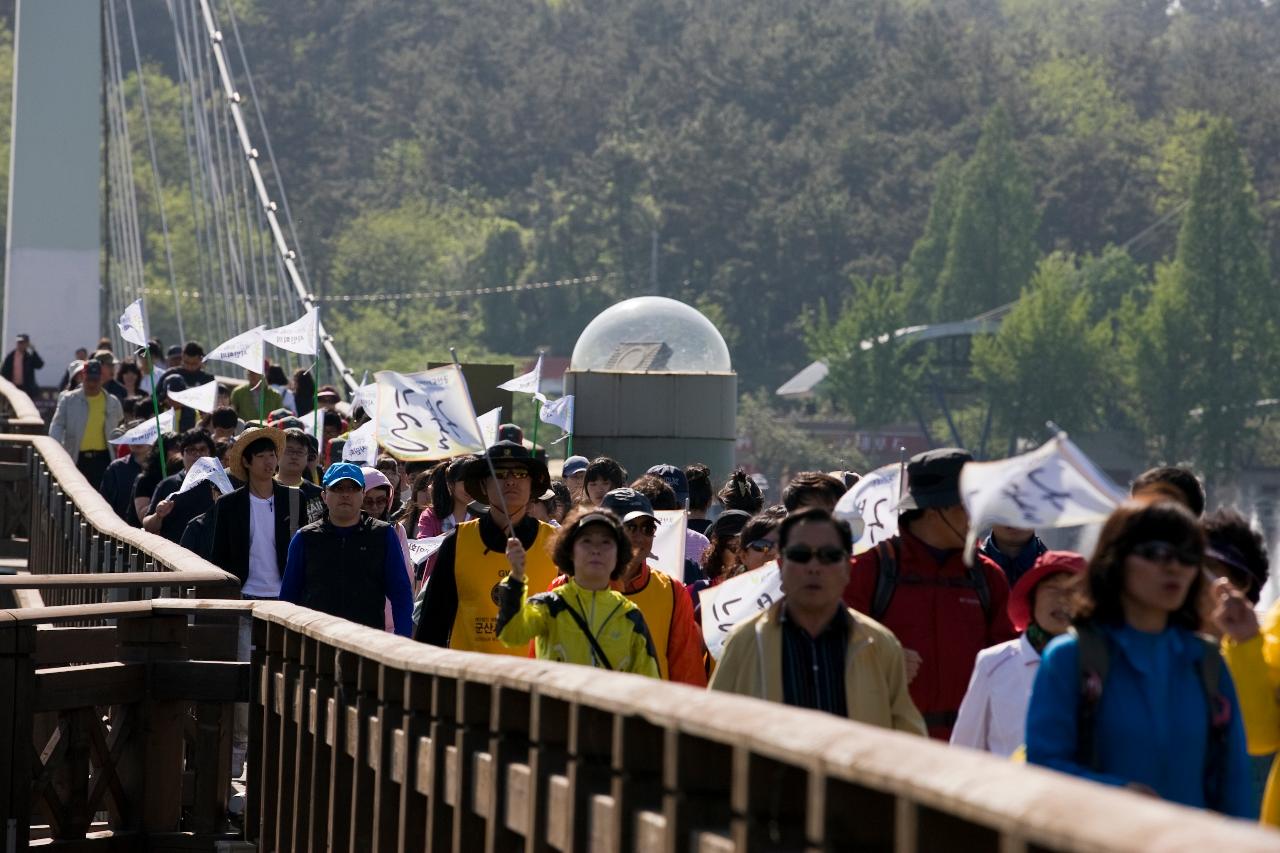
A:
1140	710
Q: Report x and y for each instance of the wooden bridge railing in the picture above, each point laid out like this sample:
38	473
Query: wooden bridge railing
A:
64	527
18	413
116	737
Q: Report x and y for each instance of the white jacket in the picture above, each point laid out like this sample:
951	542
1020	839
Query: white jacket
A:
993	715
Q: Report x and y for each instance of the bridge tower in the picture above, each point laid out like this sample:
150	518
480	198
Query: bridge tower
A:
52	280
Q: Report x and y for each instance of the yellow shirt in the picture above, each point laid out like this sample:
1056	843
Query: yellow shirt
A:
95	430
1255	668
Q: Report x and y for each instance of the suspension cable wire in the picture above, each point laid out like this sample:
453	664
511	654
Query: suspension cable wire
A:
120	163
266	141
186	103
127	184
155	169
248	264
287	255
477	291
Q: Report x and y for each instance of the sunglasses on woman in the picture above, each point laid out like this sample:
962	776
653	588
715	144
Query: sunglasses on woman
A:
827	555
1166	552
762	546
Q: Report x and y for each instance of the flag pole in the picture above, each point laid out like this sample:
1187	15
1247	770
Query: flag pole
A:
155	408
511	530
315	382
537	416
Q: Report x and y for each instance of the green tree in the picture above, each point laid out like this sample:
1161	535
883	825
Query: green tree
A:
871	375
929	254
1049	360
1206	347
991	249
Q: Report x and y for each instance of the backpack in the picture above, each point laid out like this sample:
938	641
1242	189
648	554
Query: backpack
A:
1094	661
888	579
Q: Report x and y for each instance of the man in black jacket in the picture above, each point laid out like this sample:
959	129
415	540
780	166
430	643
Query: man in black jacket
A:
253	524
21	364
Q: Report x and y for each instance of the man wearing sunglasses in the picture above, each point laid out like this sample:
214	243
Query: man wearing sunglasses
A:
459	604
917	585
811	651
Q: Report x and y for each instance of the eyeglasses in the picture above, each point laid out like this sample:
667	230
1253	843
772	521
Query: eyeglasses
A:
827	554
511	474
762	546
644	528
1165	552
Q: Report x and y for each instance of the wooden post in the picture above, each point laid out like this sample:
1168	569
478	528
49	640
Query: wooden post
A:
17	684
411	829
470	739
508	745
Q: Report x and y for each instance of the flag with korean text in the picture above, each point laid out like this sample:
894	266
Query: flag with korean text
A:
529	383
300	336
133	324
244	350
871	507
426	419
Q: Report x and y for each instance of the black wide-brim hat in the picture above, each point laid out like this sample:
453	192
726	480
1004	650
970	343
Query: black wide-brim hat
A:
506	453
933	479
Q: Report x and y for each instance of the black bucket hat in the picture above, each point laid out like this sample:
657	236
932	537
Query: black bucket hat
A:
506	453
933	479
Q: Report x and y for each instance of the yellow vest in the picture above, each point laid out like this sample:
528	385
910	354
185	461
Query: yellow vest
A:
95	428
477	572
657	603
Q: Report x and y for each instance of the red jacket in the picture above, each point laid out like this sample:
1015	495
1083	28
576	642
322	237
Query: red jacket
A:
945	625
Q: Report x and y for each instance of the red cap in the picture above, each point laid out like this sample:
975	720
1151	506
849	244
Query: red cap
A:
1048	563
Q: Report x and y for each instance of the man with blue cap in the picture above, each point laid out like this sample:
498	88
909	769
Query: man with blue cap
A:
348	564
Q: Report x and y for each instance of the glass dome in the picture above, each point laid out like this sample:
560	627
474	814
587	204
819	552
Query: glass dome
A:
651	334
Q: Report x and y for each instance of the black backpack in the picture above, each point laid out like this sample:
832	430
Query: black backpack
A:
889	578
1094	661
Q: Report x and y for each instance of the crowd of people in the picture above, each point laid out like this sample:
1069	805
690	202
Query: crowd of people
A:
1144	665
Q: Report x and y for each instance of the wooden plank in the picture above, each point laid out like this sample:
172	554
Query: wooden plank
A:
201	681
63	688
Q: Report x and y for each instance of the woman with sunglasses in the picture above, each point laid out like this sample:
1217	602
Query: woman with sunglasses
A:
808	649
581	621
1134	697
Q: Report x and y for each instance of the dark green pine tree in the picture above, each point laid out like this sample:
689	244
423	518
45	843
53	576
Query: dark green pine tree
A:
991	250
929	254
1222	282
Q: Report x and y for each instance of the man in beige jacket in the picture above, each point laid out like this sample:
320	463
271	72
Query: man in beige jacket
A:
811	651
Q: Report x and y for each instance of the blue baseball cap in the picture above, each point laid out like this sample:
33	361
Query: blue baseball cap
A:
340	471
674	478
574	465
628	504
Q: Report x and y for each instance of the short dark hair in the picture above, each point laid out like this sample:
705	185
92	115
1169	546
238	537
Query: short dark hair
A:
298	436
700	491
275	375
258	445
224	417
809	485
1183	480
196	436
658	491
814	515
1231	534
193	349
604	468
1130	525
741	492
562	548
126	367
332	419
759	526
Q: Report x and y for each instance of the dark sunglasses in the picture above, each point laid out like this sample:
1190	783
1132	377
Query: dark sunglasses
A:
1165	552
643	528
827	554
762	546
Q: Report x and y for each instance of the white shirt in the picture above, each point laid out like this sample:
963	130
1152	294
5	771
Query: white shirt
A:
264	572
993	715
146	382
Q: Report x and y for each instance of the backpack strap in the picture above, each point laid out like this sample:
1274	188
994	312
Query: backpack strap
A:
1210	668
295	510
1093	661
978	579
591	638
886	579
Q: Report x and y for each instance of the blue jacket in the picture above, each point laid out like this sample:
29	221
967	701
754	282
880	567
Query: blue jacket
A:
1152	720
1017	565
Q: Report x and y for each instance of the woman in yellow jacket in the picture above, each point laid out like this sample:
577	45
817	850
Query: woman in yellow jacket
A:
583	621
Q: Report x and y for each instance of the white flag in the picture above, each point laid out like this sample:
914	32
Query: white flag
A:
133	324
244	350
527	384
559	413
420	550
427	419
871	507
365	397
300	336
206	468
362	446
1054	485
145	432
735	600
668	544
202	398
489	423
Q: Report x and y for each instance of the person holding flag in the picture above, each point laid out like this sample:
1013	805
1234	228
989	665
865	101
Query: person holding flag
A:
459	604
917	584
84	421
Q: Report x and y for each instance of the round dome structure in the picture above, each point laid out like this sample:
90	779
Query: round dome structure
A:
651	334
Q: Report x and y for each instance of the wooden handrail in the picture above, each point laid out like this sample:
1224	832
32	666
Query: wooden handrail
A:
25	416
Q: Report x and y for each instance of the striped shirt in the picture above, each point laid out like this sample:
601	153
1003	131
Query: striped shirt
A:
813	667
